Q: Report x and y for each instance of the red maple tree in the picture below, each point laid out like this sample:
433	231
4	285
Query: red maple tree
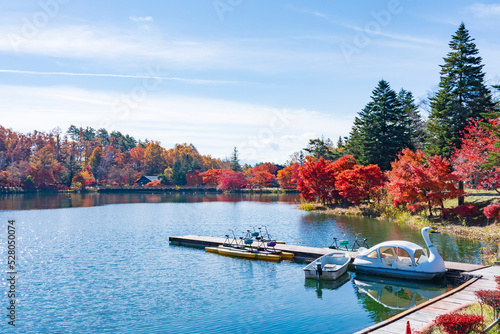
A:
360	183
287	177
416	178
211	176
468	160
316	178
262	178
231	180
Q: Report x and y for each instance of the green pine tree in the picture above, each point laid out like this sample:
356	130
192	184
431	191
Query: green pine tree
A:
381	130
235	161
417	125
321	148
462	95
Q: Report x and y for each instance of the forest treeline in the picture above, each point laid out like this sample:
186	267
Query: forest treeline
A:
420	162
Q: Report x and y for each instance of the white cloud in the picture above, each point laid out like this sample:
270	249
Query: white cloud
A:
121	47
214	126
482	10
141	19
133	76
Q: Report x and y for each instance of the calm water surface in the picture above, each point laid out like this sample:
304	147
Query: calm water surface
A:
87	265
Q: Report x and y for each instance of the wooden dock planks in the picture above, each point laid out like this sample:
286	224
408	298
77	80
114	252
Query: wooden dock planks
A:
421	316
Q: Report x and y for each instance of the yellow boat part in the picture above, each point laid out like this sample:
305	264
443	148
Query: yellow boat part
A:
267	257
286	255
212	249
236	253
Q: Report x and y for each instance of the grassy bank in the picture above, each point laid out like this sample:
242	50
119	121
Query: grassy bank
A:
477	227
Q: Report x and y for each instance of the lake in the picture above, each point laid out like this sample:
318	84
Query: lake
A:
98	263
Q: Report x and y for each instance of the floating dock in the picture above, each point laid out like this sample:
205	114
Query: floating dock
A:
481	277
300	252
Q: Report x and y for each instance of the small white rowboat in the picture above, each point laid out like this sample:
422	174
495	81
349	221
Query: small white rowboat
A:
328	267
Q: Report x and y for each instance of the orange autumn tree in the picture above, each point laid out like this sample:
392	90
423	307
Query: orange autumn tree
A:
287	177
211	176
417	181
360	183
262	175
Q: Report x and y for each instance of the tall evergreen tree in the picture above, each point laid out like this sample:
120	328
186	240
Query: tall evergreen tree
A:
381	130
417	125
462	94
321	148
235	161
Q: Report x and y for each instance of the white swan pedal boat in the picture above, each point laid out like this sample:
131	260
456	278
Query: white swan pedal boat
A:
401	259
328	267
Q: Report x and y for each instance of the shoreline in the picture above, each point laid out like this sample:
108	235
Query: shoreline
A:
175	189
478	231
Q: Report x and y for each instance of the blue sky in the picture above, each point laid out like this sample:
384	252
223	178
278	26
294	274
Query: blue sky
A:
264	76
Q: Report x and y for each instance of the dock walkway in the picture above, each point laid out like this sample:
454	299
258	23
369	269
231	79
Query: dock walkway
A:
302	252
421	315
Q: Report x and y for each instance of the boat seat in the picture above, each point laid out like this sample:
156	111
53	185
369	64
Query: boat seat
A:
387	261
404	263
329	266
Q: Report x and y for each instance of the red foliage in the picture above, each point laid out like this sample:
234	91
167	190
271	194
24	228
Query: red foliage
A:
458	323
416	178
360	183
492	211
266	167
43	178
194	178
262	178
287	177
474	150
489	297
154	183
4	179
231	180
316	178
465	210
417	207
497	280
211	176
446	212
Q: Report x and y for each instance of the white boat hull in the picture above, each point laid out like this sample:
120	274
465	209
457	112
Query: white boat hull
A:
398	273
333	266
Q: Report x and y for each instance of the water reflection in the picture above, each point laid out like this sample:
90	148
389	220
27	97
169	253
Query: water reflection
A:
319	285
35	201
398	294
344	227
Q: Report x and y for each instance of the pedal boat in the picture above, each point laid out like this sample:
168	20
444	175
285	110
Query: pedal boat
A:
402	259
